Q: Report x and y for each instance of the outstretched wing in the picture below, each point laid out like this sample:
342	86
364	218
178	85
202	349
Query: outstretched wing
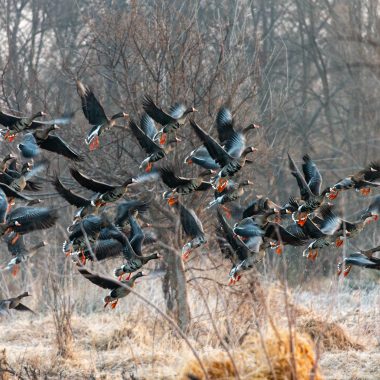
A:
90	184
145	142
147	125
303	186
56	145
277	232
239	248
171	180
92	109
22	307
128	207
69	196
312	175
224	125
156	113
177	110
214	149
33	218
99	280
8	120
191	224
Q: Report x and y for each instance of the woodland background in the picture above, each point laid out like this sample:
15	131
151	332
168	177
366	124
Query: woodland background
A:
306	71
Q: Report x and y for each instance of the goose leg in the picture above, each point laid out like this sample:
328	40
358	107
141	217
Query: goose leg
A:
14	240
347	271
227	211
149	167
222	184
15	270
94	144
365	191
83	258
279	249
163	138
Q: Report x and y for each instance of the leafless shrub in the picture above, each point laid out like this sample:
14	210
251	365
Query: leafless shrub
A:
62	310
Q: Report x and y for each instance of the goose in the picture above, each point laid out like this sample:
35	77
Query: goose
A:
229	166
170	121
119	289
95	114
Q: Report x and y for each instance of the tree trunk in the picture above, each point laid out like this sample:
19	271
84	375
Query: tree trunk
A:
175	290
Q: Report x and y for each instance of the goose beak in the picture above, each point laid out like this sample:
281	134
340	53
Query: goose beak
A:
125	115
194	109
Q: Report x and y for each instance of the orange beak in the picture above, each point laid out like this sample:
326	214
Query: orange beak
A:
279	250
339	243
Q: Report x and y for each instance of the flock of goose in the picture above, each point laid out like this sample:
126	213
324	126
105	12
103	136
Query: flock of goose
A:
308	220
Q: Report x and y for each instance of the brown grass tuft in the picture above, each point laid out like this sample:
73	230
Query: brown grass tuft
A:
252	360
218	366
328	335
4	374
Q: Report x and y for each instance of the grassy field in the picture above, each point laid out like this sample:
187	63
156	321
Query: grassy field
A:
133	342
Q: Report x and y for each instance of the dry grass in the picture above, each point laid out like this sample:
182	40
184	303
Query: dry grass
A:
270	359
329	336
132	342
